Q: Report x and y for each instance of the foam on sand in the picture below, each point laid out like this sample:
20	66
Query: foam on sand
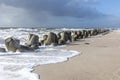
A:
16	66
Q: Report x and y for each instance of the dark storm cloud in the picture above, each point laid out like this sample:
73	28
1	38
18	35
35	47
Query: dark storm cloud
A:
71	8
51	13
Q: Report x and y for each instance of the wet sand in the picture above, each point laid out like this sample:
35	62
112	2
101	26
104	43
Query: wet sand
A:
99	60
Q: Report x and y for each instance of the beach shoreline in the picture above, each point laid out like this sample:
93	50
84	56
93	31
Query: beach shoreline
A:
99	60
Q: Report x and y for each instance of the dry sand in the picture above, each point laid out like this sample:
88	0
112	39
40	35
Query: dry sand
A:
99	60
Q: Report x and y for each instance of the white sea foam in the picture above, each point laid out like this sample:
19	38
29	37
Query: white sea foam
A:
117	30
74	29
18	66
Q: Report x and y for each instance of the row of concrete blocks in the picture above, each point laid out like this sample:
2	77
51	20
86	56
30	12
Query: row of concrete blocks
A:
61	38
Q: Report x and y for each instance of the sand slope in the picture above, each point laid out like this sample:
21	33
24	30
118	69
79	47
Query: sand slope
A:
99	60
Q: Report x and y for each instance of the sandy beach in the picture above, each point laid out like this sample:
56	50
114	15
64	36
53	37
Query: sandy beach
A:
99	60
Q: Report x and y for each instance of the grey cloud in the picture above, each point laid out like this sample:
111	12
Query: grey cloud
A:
50	12
71	8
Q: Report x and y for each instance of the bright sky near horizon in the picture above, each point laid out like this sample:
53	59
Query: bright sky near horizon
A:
59	13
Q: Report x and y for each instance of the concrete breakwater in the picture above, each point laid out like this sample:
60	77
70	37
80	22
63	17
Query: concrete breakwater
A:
33	43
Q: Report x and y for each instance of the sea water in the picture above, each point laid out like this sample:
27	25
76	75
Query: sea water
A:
18	66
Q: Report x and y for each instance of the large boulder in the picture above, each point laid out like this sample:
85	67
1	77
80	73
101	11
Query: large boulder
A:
51	39
61	42
66	36
44	38
33	41
82	34
90	32
95	32
13	45
69	36
79	33
59	35
75	36
85	33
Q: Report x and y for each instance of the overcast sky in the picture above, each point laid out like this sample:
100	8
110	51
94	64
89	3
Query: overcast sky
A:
59	13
